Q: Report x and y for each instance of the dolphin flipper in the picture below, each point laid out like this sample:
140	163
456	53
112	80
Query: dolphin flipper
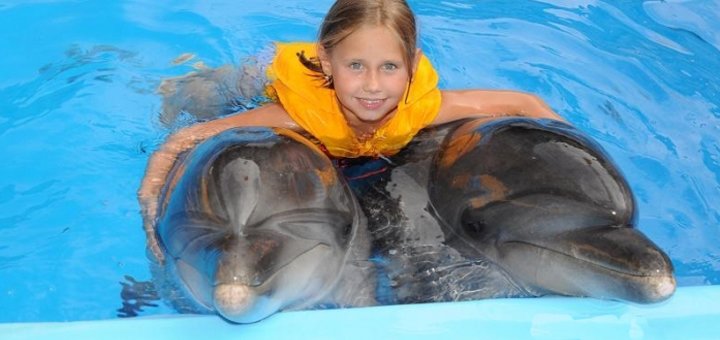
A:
255	221
545	204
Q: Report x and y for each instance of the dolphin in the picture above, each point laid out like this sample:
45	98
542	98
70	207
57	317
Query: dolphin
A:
254	221
548	206
509	207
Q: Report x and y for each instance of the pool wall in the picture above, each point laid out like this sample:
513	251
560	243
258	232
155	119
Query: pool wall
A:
692	313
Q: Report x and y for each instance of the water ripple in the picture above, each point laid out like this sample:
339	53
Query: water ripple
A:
698	17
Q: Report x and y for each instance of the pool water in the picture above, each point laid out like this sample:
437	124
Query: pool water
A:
80	115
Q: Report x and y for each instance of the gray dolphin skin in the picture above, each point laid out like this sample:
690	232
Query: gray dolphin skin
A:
256	221
547	206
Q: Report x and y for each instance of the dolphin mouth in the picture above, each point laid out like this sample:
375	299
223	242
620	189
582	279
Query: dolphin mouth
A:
248	303
611	262
609	266
281	262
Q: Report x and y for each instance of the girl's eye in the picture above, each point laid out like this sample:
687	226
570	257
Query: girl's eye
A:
390	67
355	66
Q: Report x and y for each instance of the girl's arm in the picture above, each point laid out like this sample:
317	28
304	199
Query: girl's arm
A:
160	163
491	103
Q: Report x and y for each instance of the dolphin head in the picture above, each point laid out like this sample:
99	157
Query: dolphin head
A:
547	205
256	225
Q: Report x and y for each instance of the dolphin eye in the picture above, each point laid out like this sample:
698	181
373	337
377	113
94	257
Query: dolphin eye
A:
474	223
347	230
475	228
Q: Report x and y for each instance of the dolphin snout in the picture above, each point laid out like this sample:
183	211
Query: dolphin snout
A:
233	299
657	288
240	303
665	288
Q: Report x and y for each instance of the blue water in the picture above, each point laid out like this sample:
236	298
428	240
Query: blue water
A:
79	116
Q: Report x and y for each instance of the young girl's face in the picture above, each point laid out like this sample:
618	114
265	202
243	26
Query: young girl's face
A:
369	75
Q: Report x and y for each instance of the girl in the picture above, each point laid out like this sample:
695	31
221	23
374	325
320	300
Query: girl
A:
363	90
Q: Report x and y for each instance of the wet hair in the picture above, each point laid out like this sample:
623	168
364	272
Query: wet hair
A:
346	16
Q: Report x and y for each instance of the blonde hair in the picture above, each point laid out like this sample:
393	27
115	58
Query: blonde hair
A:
346	16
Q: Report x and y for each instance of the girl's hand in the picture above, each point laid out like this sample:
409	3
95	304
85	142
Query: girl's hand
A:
158	168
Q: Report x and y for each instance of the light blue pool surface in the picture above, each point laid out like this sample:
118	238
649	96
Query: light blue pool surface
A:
79	117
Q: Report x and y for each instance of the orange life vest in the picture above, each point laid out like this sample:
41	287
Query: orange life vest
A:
316	109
